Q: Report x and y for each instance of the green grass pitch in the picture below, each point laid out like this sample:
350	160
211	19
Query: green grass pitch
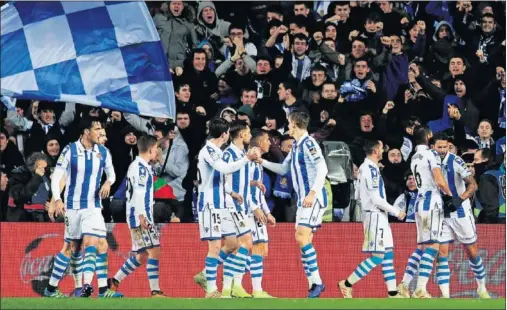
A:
180	303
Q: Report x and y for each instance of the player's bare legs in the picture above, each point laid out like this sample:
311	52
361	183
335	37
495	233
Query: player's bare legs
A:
309	257
59	266
410	271
425	268
361	271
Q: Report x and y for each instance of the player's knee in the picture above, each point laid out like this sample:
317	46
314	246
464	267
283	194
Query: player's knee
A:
302	237
154	252
246	243
142	257
214	247
90	241
66	249
230	245
260	249
472	250
443	251
102	245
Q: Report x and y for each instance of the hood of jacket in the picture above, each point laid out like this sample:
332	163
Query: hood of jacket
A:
440	24
218	28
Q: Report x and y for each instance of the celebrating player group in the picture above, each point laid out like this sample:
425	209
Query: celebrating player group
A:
232	207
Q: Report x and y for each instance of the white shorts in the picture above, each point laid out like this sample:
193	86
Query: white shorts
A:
259	230
310	217
377	232
143	239
239	222
215	223
79	223
462	227
429	226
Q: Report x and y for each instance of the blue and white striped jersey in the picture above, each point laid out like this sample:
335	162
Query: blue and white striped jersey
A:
239	181
211	176
304	159
257	198
84	170
455	172
139	192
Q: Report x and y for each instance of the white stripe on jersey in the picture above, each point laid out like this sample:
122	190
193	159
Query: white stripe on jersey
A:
211	189
257	199
239	181
303	159
84	173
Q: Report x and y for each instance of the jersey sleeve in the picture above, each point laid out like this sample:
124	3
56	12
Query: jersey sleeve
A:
109	168
313	151
434	160
461	168
64	159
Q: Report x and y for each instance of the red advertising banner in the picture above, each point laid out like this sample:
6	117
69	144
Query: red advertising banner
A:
28	249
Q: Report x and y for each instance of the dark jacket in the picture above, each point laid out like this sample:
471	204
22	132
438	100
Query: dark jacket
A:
24	185
11	158
37	138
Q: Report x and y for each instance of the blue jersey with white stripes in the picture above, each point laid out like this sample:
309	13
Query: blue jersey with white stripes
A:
238	181
84	170
455	172
139	192
303	159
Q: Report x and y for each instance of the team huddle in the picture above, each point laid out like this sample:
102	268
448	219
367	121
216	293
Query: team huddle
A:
232	207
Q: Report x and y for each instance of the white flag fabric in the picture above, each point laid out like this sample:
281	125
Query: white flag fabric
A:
101	53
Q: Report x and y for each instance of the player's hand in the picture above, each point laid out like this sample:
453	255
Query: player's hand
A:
262	187
143	221
253	154
448	204
457	201
271	220
50	209
105	189
260	216
59	208
237	197
308	201
401	215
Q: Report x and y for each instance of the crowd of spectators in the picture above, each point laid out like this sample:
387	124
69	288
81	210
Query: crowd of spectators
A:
361	69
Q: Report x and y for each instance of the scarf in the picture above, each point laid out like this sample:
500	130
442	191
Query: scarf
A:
445	122
396	74
354	90
501	115
283	186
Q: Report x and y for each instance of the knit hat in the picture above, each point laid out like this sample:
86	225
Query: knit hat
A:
246	109
228	109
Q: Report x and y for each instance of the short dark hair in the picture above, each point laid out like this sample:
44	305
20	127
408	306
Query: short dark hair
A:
248	89
301	37
236	26
217	127
318	67
301	118
88	121
487	121
440	136
236	127
145	142
285	138
182	84
290	84
299	20
488	15
301	2
370	146
421	134
256	135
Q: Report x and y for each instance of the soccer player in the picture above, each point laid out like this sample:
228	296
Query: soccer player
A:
426	167
378	238
237	189
258	217
211	195
83	163
459	223
308	170
145	238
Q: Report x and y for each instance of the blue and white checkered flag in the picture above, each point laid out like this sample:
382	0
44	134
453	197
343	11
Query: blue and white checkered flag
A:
105	54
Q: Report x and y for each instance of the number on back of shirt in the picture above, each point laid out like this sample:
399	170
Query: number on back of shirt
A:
417	176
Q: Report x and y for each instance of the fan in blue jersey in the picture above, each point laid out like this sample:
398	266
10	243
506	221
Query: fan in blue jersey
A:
378	237
211	205
308	170
144	234
459	224
83	163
